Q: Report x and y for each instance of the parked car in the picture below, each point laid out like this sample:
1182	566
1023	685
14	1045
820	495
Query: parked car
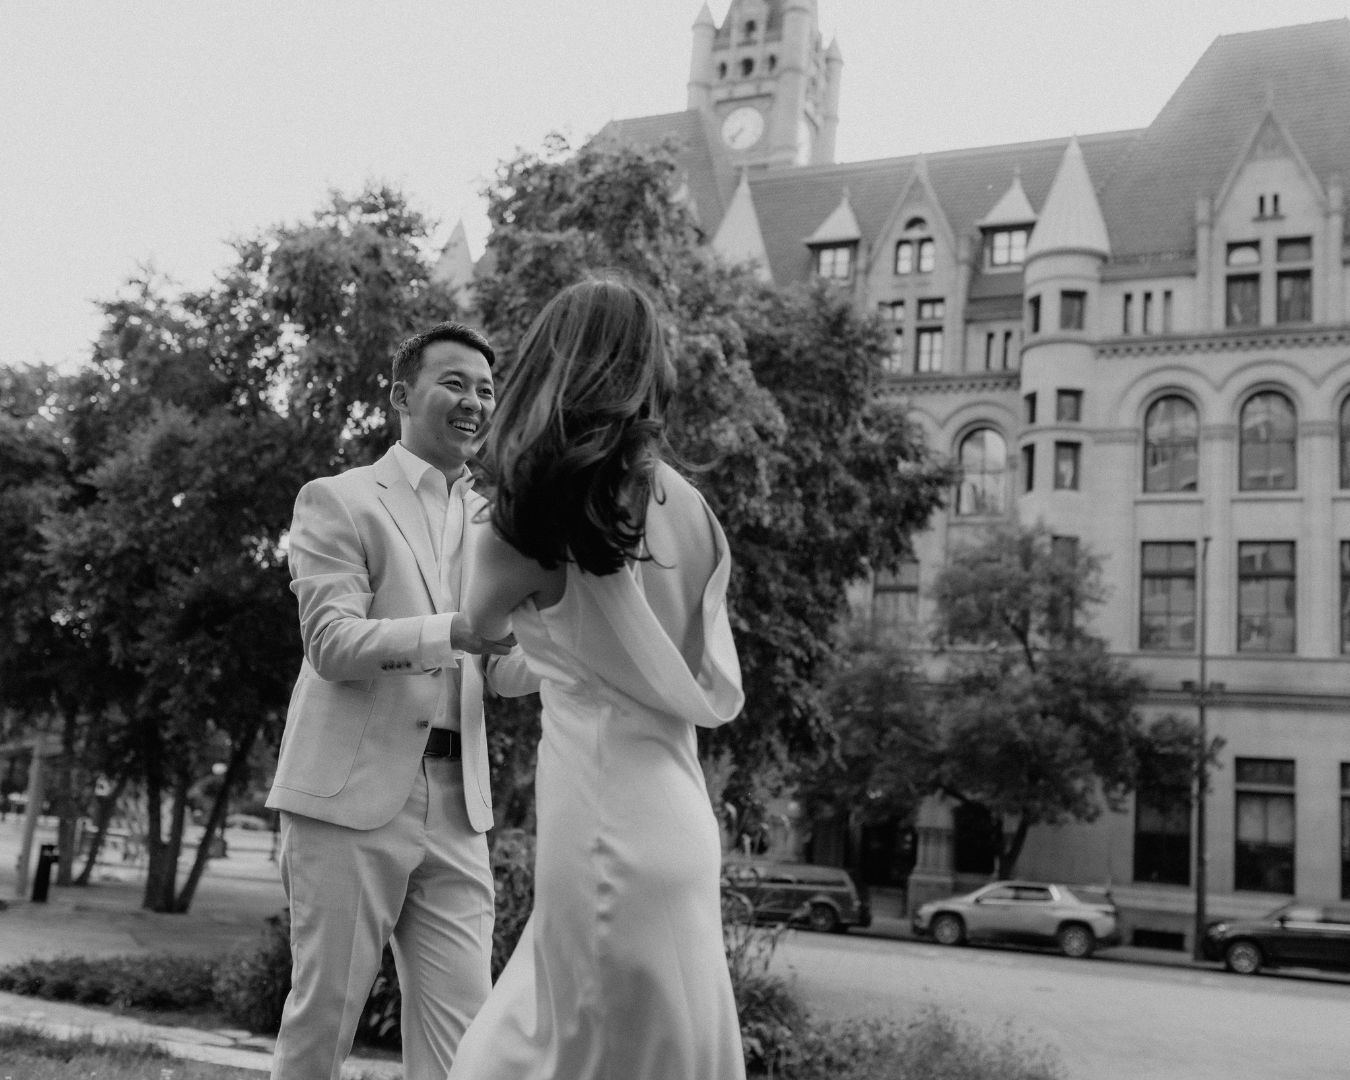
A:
1298	934
823	898
1078	919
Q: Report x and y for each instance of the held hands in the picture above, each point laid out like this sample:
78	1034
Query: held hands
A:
466	639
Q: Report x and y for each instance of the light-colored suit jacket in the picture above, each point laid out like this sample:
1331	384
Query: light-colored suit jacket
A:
365	575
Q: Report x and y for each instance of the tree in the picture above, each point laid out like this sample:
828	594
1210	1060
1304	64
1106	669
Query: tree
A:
813	475
1039	721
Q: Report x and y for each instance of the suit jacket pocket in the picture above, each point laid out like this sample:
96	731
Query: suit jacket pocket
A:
324	728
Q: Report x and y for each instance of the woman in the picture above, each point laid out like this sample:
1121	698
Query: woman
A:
612	571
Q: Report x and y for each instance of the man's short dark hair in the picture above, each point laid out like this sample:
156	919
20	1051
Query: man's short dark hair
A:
408	355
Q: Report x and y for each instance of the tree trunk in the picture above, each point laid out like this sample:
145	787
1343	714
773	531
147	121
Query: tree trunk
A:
238	762
67	805
1009	854
103	812
160	868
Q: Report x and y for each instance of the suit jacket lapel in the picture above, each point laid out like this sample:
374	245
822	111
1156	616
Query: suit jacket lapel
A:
404	507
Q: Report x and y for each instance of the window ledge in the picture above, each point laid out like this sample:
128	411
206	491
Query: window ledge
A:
1174	498
1267	496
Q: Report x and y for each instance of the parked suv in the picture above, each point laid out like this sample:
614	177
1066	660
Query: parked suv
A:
1076	918
1300	934
822	897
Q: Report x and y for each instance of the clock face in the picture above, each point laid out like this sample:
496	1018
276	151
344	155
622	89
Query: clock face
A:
743	127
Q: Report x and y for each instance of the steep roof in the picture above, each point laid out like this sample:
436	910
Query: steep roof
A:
968	183
1071	218
709	176
1301	72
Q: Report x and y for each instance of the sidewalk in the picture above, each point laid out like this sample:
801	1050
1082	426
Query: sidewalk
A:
234	898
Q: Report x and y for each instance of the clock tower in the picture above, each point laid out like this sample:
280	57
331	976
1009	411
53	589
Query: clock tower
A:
768	87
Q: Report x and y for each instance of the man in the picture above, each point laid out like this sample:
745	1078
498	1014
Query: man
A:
382	779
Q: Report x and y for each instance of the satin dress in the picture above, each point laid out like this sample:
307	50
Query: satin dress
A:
620	972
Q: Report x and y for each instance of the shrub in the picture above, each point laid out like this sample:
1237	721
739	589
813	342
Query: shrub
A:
159	982
252	982
513	876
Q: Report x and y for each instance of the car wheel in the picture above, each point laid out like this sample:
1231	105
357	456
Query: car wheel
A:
822	918
737	909
1076	940
949	930
1243	957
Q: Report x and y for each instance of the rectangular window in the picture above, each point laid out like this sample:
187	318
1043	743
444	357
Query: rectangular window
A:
1263	856
1029	467
1029	407
989	339
1072	309
894	361
1345	831
1162	833
835	262
1126	313
904	257
1293	296
1146	320
1345	596
1167	311
930	350
1007	247
1007	350
1069	406
1242	304
932	309
1034	314
895	600
892	310
926	257
1066	465
1167	597
1294	249
1266	586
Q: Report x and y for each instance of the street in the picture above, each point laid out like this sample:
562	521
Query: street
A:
1107	1020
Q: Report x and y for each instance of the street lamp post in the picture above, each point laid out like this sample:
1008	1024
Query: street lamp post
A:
1201	692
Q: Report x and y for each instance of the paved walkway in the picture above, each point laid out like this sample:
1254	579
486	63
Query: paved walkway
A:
235	897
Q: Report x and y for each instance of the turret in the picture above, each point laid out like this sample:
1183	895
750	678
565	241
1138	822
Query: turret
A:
794	71
701	60
1062	286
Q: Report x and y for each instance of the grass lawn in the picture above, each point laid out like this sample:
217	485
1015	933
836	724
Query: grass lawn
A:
30	1055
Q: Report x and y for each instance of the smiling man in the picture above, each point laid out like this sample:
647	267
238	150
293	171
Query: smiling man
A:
382	778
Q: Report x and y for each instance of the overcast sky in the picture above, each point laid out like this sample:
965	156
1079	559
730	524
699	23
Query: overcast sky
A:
151	131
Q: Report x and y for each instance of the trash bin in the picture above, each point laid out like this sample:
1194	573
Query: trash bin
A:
42	880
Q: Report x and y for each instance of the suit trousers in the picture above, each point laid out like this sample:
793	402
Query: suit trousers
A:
421	882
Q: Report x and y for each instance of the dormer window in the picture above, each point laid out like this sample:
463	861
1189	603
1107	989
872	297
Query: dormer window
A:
747	67
914	256
1006	247
834	262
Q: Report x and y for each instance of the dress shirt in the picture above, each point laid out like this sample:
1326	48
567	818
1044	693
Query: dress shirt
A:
443	511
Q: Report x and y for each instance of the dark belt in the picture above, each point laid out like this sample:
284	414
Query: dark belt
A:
442	742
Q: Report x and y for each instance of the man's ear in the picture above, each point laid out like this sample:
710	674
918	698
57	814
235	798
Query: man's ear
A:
398	396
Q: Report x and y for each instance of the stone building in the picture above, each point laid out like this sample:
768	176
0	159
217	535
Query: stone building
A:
1137	337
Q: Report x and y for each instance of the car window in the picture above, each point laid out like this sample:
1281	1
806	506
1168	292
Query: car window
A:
1034	894
1301	913
1003	892
1088	896
1338	915
780	879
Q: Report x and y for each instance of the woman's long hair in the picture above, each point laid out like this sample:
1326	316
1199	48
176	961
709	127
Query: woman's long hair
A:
580	428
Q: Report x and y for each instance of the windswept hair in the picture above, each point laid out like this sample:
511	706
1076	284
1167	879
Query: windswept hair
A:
581	426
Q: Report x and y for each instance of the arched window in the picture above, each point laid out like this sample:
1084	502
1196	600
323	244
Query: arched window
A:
747	67
1171	445
1345	443
1268	443
984	461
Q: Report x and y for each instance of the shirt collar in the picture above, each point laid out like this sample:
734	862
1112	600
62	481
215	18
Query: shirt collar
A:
415	469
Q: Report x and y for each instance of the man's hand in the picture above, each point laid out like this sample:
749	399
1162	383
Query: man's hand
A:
466	639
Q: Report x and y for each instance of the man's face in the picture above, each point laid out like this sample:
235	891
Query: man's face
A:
445	410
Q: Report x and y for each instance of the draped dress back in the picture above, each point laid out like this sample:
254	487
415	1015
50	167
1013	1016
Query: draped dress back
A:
620	973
